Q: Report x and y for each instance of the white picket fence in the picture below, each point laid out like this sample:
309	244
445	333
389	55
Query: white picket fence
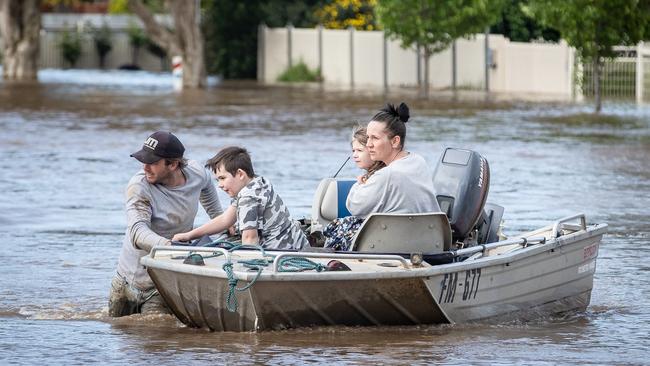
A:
624	77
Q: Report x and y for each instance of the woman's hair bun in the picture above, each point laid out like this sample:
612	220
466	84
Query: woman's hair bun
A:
403	112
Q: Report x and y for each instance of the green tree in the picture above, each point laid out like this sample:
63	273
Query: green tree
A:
103	44
517	25
70	45
137	39
231	27
434	25
594	27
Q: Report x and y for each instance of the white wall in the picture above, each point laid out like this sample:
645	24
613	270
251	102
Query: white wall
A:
368	58
402	65
518	67
336	56
275	53
538	68
305	47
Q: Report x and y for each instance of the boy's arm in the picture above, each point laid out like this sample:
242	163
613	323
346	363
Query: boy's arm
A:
216	225
249	236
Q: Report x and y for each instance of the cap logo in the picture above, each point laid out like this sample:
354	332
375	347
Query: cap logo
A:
151	143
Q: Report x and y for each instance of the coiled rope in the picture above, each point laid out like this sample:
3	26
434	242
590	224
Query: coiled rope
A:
286	264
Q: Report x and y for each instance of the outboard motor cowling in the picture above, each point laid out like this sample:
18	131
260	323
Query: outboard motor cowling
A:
461	181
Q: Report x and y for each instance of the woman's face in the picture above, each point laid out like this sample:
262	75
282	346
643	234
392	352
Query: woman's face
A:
360	155
380	147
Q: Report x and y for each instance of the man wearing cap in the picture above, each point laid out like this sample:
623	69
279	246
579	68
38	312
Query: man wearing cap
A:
161	200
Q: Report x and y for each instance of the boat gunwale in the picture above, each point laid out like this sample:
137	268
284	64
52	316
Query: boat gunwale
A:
413	272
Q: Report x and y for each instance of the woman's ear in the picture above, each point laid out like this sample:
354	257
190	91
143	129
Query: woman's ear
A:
395	142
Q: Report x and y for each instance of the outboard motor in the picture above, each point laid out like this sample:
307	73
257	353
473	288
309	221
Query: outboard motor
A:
461	181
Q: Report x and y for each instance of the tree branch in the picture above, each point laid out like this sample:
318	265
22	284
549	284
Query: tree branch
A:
156	32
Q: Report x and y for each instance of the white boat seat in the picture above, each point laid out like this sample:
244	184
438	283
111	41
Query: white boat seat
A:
428	233
329	201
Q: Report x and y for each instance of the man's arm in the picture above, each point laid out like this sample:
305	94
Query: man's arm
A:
138	219
209	198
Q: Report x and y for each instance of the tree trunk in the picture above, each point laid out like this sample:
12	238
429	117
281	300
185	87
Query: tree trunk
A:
425	84
597	65
20	26
185	40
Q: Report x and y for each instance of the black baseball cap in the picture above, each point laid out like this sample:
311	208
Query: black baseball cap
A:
160	145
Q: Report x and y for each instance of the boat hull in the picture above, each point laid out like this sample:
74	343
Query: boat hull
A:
521	283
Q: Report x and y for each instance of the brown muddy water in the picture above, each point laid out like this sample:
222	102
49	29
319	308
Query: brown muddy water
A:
64	158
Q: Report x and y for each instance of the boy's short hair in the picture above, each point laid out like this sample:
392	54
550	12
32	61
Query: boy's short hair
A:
232	158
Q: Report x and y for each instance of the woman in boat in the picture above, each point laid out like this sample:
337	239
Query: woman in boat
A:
340	232
405	185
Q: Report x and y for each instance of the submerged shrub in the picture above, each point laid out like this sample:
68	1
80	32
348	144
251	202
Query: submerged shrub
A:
300	72
70	47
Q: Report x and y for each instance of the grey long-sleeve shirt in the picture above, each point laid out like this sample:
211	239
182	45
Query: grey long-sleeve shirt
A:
404	186
154	213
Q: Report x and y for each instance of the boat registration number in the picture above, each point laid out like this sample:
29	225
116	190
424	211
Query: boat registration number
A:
450	284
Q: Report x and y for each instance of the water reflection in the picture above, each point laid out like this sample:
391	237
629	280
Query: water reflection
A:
64	154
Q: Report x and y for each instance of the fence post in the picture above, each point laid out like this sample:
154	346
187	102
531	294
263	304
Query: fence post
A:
418	62
289	44
487	59
570	69
261	53
320	51
351	56
639	73
453	65
385	61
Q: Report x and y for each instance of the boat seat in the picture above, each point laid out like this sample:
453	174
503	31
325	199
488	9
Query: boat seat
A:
329	201
428	233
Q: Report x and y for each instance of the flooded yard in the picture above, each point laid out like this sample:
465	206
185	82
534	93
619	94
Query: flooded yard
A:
64	156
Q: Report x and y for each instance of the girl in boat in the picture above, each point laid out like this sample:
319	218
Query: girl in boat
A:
404	185
340	232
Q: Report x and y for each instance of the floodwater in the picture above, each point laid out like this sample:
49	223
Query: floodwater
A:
64	163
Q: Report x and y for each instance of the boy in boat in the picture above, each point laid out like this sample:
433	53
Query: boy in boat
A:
257	211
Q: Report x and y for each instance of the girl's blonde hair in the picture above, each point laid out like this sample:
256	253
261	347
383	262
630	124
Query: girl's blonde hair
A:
360	134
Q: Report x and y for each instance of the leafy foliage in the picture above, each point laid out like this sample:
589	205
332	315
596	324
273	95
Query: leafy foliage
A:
121	7
342	14
433	24
137	37
103	44
70	46
230	29
518	25
299	72
594	27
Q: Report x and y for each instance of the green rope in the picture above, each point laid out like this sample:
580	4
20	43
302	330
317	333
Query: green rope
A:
231	299
256	264
299	264
286	264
